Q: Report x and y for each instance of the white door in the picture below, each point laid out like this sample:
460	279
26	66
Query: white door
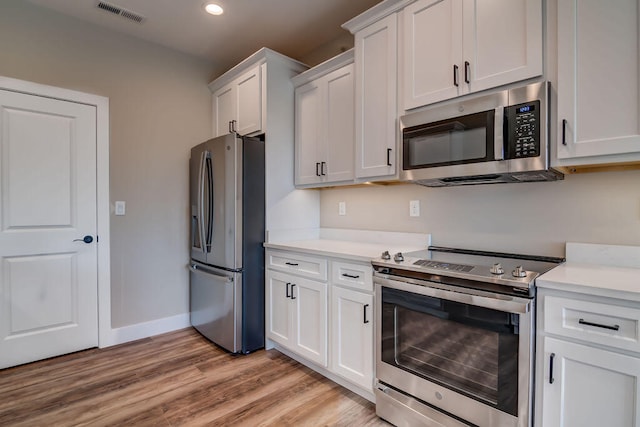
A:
340	128
352	336
589	387
249	102
432	52
376	78
279	323
48	279
307	133
310	319
224	109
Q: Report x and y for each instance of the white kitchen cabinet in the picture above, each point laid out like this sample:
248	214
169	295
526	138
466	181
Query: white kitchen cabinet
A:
324	123
455	47
598	87
237	106
588	361
376	98
352	336
297	315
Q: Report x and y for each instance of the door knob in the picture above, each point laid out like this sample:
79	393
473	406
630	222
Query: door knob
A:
86	239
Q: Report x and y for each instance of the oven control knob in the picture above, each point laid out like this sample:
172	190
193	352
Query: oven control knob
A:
385	255
398	257
519	272
497	269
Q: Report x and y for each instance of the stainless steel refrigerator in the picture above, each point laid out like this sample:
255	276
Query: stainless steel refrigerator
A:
227	232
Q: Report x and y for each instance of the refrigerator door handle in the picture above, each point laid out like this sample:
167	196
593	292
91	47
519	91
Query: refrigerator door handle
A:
201	172
209	177
202	270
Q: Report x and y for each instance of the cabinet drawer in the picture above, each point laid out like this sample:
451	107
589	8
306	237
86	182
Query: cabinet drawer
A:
601	323
352	275
303	265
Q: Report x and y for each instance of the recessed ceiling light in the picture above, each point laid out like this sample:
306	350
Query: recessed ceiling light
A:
214	9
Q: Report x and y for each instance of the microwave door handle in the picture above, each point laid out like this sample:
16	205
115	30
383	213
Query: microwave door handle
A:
498	134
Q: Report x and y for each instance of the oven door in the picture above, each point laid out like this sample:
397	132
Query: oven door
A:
465	352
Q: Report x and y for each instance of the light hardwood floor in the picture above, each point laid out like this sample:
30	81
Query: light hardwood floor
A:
175	379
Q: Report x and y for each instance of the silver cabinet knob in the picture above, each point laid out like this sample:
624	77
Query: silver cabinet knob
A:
385	255
497	269
398	257
519	272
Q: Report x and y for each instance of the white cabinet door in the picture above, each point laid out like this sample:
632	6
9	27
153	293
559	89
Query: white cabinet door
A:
308	99
432	51
278	310
249	102
502	42
455	47
591	387
352	336
376	98
309	300
224	109
598	78
238	105
339	129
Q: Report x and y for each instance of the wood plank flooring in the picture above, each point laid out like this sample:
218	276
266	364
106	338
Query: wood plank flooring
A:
175	379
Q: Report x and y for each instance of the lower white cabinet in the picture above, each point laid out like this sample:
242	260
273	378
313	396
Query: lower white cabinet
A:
352	336
327	318
297	315
587	360
586	386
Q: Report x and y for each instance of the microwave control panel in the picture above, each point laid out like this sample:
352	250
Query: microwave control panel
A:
523	130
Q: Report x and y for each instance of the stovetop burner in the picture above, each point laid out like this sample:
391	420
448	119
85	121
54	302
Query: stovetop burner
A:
496	268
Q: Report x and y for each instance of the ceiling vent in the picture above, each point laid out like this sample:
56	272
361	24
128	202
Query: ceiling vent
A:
117	10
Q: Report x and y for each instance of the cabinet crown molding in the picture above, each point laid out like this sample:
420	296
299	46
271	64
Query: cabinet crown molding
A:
323	68
261	56
374	14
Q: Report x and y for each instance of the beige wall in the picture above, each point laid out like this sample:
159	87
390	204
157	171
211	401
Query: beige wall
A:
159	107
533	217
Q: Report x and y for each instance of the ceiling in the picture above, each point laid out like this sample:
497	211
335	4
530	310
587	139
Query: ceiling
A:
292	27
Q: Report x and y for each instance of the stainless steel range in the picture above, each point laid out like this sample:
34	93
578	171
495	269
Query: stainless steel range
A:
455	336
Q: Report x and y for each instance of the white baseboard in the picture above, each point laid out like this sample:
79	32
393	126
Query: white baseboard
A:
147	329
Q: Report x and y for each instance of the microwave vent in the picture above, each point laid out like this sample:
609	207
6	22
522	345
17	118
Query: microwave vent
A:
120	11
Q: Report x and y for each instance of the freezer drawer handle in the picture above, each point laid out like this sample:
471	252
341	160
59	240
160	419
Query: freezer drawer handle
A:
292	264
195	269
288	294
599	325
293	285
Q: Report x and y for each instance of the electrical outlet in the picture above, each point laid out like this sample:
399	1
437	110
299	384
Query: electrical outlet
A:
414	208
342	208
120	208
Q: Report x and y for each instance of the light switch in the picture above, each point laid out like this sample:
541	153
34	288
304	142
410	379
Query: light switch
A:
120	208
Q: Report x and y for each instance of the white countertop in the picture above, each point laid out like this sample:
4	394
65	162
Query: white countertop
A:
356	245
616	276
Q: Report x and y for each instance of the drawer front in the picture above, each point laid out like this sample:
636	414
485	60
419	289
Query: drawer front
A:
302	265
352	275
600	323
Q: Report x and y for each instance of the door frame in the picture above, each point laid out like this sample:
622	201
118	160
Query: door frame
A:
103	208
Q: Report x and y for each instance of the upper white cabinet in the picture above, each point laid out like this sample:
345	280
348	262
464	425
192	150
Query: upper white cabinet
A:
376	98
598	88
454	47
324	123
237	106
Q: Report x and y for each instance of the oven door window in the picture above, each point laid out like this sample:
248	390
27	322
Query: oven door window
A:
465	139
469	349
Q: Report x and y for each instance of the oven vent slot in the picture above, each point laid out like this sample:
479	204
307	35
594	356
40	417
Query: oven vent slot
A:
120	11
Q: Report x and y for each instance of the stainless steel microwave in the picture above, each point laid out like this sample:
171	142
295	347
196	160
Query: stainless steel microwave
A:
495	138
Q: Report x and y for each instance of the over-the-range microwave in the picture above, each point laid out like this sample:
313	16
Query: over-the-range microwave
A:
494	138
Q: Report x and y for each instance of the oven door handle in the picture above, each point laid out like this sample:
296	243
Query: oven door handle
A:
506	303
